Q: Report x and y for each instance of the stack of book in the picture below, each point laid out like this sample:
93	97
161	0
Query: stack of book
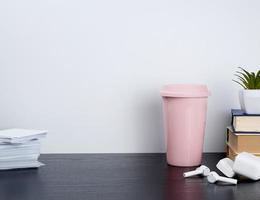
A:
20	148
243	134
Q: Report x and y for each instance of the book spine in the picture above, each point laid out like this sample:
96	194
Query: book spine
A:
232	121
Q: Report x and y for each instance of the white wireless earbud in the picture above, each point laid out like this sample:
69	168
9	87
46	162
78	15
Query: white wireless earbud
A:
214	177
202	170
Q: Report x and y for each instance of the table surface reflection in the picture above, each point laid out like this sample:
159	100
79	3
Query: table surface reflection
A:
117	176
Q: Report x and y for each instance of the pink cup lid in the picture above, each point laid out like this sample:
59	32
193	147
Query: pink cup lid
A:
185	90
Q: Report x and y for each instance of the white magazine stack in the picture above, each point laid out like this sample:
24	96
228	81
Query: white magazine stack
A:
20	148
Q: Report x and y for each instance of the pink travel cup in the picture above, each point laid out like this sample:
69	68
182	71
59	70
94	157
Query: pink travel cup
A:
185	108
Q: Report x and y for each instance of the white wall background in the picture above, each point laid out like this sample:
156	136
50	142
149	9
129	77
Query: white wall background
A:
90	71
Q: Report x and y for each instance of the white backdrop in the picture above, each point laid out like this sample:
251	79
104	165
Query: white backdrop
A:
90	71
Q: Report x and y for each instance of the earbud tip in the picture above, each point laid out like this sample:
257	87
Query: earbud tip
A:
211	179
206	171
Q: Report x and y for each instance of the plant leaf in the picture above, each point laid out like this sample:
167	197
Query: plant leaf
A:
243	80
239	84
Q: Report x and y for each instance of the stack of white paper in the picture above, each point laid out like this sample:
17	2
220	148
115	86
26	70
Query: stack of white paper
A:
20	148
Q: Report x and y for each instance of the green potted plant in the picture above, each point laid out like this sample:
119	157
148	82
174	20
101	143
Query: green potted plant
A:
249	96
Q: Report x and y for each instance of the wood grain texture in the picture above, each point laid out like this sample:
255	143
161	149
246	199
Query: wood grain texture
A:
116	176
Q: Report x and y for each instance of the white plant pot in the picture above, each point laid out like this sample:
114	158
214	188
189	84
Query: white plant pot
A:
250	101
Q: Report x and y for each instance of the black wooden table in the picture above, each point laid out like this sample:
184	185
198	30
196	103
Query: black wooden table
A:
116	176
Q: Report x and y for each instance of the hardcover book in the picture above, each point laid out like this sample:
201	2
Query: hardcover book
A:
241	141
243	122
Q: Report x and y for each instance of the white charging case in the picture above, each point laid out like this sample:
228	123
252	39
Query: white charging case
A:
248	165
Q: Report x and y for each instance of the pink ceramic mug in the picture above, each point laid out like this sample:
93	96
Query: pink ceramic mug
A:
185	108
